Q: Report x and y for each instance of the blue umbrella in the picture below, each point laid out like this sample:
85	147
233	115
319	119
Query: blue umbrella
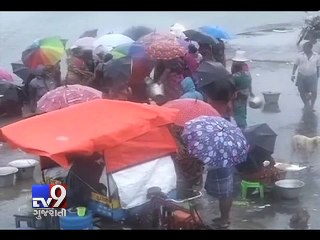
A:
216	32
134	50
215	141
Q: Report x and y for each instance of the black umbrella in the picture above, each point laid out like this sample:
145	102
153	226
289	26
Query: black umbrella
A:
261	135
90	33
137	32
210	72
9	91
200	37
118	70
19	69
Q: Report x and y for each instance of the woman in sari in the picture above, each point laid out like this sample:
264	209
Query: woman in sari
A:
243	83
189	169
78	71
171	79
259	167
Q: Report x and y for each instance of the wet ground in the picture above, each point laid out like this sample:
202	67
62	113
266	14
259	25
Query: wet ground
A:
272	54
272	212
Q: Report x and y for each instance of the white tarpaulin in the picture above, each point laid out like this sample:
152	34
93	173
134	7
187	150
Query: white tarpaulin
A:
134	182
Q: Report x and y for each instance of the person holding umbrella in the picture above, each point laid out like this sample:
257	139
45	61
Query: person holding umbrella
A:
191	59
78	70
220	145
218	87
259	166
171	78
98	71
189	169
218	51
55	72
40	85
11	95
115	80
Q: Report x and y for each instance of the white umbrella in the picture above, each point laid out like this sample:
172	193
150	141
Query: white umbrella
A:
110	41
85	43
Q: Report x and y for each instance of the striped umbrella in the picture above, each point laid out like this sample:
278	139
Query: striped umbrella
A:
46	51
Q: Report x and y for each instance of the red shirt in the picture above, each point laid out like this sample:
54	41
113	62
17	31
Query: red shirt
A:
191	60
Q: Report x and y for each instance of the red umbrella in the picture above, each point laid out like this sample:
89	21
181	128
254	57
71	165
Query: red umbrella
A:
120	129
7	77
166	49
155	37
163	46
65	96
190	109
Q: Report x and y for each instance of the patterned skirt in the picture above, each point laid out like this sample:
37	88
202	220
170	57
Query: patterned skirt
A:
219	182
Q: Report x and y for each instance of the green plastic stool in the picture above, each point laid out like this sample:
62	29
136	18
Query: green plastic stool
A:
246	184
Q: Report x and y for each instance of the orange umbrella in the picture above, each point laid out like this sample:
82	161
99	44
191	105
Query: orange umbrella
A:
123	130
190	109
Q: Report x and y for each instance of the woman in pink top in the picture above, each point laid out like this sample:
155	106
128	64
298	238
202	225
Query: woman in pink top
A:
191	59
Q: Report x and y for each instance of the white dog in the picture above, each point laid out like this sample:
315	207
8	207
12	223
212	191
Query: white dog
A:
305	145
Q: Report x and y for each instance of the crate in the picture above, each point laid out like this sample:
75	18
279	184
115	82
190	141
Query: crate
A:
103	210
102	206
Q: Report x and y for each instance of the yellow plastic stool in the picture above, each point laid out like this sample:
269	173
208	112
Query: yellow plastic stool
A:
246	184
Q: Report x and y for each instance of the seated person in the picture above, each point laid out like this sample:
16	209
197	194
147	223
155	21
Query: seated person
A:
254	169
83	178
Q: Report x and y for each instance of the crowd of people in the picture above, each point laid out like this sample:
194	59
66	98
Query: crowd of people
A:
227	92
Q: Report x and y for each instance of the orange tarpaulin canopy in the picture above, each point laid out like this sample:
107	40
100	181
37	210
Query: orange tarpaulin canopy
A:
128	133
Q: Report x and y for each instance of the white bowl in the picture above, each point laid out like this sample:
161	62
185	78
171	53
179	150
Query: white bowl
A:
7	176
23	163
25	166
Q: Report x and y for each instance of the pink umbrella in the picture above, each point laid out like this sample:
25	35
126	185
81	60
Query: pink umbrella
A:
164	46
166	49
6	75
190	109
66	96
155	37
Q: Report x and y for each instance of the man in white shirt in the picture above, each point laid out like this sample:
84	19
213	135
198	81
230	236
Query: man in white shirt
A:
308	65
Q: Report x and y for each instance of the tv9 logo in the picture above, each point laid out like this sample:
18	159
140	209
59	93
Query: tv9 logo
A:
49	196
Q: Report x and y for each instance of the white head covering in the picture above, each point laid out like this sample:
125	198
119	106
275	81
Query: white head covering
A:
177	29
240	56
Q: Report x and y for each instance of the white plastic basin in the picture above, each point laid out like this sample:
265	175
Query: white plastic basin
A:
7	176
25	166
